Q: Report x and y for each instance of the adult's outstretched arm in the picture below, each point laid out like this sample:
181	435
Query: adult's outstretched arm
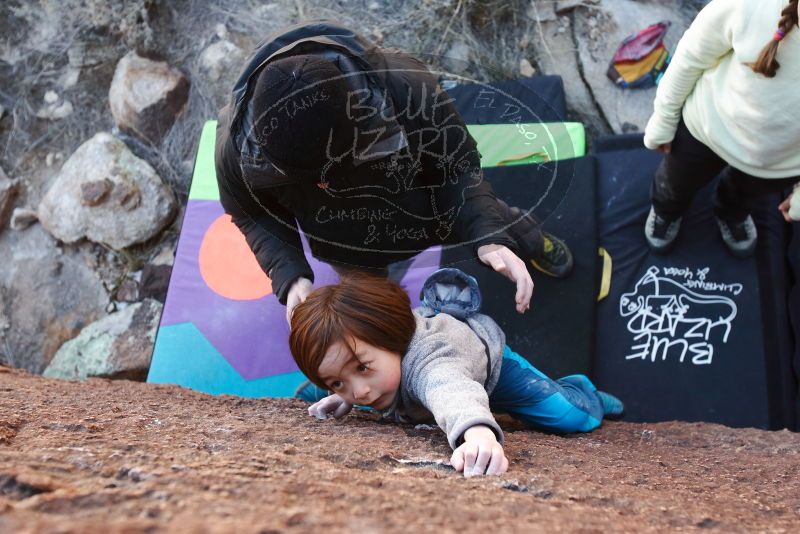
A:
269	229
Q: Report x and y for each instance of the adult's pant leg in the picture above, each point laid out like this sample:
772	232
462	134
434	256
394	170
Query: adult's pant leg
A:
524	229
738	192
685	170
569	404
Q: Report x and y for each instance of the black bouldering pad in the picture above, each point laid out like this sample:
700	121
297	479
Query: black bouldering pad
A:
686	335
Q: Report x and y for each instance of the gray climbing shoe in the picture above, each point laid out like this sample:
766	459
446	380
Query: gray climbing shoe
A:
740	237
661	232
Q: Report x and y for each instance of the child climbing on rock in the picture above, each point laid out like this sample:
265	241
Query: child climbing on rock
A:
729	102
443	361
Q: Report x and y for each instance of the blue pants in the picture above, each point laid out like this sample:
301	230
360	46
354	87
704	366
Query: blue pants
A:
569	404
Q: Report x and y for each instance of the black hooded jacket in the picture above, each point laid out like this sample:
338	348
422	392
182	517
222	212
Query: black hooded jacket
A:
412	179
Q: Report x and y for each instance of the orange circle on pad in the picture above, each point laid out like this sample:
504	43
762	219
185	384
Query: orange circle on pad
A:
227	264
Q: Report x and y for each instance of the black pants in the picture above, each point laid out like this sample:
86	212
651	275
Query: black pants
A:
524	229
691	165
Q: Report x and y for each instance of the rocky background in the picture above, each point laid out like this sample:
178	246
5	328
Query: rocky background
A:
101	108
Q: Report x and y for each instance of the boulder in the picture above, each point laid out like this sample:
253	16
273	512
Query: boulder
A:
146	96
8	193
222	59
119	345
600	31
108	195
48	295
457	57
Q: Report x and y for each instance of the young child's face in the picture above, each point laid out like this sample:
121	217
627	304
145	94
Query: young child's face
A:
361	373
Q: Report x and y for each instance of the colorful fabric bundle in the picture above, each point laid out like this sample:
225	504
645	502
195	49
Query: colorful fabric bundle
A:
641	59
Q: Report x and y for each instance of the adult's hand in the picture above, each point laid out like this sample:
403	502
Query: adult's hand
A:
501	259
297	294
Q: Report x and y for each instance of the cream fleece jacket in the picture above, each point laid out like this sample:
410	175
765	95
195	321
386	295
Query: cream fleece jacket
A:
749	120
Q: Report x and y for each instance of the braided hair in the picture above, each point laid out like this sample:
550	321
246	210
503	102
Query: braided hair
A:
766	63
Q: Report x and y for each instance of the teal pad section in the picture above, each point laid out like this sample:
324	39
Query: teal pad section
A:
499	144
186	358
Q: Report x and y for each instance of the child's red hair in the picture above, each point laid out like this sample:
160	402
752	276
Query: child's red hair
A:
370	308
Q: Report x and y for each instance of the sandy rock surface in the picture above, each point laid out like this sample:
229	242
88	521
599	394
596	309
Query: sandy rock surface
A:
124	456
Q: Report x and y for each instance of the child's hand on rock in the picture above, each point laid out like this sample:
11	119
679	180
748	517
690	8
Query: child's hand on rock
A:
330	405
480	453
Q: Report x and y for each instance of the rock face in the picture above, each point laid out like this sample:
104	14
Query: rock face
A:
108	195
603	30
218	66
121	456
47	296
119	346
146	96
580	45
556	54
8	193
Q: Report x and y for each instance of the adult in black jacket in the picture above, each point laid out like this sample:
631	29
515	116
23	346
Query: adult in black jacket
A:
362	149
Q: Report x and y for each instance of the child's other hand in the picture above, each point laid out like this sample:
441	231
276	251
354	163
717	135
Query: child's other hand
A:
480	453
330	405
666	148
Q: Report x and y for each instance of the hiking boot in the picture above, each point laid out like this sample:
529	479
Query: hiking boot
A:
661	232
612	407
555	260
740	237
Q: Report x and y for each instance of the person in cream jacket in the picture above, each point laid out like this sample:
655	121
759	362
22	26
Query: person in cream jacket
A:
729	103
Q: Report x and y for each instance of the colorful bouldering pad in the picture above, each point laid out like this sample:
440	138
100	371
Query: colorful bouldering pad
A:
223	331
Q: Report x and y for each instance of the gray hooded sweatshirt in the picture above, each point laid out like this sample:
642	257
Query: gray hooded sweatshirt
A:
450	368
